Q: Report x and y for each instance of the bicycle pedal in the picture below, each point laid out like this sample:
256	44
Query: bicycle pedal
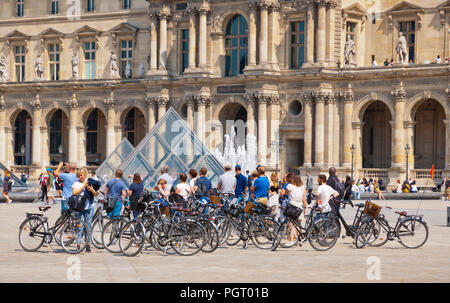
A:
343	237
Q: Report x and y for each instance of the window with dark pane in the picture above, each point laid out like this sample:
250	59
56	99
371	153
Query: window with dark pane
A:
19	63
54	59
236	41
90	5
130	126
54	7
350	29
92	132
126	4
126	56
89	60
56	131
408	28
184	49
19	6
297	33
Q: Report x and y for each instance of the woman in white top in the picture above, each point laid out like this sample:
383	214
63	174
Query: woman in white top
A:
81	187
193	175
183	189
297	196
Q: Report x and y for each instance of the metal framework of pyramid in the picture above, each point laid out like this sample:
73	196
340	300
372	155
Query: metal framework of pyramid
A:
173	143
114	160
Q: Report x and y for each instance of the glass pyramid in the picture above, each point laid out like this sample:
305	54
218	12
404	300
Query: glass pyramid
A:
114	160
173	143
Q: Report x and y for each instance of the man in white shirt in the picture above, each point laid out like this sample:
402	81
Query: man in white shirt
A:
165	175
227	182
325	193
438	59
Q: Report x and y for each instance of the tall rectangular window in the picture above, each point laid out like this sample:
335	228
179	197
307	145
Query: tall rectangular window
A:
350	30
54	59
408	28
55	7
19	62
297	44
184	49
126	4
89	60
126	57
20	8
90	5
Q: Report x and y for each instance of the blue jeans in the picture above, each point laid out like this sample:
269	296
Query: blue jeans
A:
86	216
116	211
356	195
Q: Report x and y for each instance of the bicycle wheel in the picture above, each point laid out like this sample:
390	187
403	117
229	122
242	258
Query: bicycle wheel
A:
132	239
75	235
285	237
159	238
222	228
380	234
212	236
233	234
278	236
412	233
365	234
110	234
32	233
58	232
97	229
187	238
262	232
323	234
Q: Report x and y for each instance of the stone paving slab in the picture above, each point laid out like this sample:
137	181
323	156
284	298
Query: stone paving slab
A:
343	263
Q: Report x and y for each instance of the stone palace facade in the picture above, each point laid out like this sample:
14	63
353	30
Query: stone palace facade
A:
78	76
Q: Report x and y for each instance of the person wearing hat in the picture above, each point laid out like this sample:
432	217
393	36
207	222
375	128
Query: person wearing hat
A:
227	182
241	182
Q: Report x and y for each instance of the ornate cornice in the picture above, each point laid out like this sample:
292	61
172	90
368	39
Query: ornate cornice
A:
72	103
348	95
265	98
162	101
320	97
399	93
110	102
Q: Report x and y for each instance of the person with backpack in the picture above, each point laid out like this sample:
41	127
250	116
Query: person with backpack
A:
136	188
116	192
202	188
43	181
68	179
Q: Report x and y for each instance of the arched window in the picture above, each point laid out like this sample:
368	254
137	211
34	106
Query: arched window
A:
92	132
236	41
130	130
56	131
22	139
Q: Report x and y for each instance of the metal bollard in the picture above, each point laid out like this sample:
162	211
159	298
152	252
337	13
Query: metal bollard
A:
448	216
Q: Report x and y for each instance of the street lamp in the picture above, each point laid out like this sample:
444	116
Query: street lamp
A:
22	151
407	150
352	150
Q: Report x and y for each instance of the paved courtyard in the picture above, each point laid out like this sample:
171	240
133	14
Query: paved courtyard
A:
343	263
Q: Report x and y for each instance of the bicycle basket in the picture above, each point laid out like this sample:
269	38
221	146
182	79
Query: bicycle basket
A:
250	207
214	199
264	209
234	210
292	211
372	209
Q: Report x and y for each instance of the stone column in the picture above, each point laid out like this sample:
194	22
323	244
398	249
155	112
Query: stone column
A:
274	128
73	134
200	122
153	43
2	130
357	135
203	12
336	132
163	16
330	148
330	33
409	131
348	110
399	95
190	111
262	128
150	113
264	33
162	103
110	131
251	119
81	130
36	132
252	36
310	35
274	28
192	40
321	25
319	98
447	143
308	98
45	147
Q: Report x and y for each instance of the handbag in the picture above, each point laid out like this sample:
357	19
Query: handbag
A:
111	201
292	211
77	203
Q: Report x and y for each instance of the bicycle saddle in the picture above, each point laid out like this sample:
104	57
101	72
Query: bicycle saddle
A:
401	213
359	205
44	208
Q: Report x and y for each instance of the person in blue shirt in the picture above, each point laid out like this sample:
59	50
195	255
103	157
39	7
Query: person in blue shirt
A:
68	179
261	186
202	187
115	188
241	182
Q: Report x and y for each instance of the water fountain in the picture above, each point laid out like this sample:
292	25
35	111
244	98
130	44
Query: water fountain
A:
244	155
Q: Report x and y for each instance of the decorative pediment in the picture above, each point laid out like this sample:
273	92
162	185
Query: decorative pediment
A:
443	9
405	8
51	33
445	5
355	9
16	36
123	29
86	32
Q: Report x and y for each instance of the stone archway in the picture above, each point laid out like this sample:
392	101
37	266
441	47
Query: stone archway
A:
132	122
429	135
376	136
58	136
22	138
95	136
234	115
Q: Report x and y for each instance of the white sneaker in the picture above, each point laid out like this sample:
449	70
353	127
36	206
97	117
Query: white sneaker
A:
291	243
9	202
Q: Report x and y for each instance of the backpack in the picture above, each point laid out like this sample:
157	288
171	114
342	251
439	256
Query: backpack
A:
340	188
44	181
202	190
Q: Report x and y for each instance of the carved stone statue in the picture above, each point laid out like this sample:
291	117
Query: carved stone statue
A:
128	70
4	76
75	62
39	68
113	67
350	52
141	70
401	49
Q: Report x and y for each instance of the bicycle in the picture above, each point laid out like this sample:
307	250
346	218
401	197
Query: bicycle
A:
35	228
407	228
111	231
